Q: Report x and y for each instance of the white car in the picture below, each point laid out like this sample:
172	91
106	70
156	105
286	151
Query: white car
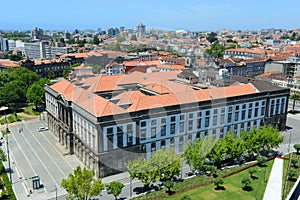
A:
43	128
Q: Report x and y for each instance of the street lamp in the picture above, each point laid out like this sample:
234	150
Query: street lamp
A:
289	142
8	158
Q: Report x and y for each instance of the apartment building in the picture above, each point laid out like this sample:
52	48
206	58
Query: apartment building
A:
107	120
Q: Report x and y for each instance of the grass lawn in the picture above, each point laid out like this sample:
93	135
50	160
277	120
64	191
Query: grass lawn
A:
29	110
187	185
233	187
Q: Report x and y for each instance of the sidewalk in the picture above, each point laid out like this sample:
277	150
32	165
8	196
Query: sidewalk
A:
274	186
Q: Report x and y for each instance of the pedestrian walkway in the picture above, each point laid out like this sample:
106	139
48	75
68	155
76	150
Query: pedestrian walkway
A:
274	186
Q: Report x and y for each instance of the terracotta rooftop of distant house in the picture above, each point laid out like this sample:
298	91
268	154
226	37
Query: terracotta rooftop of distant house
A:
76	55
292	49
9	63
281	56
40	62
271	75
253	51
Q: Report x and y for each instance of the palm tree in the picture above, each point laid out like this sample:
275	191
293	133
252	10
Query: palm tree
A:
295	97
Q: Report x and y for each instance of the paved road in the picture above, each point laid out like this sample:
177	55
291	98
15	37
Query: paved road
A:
36	153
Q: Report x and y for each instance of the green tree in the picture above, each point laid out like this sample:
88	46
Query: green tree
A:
297	147
233	146
217	153
252	142
69	69
13	93
15	57
168	185
166	163
292	174
36	92
252	171
82	184
211	37
196	152
216	50
261	160
246	181
115	188
294	162
218	182
295	97
269	137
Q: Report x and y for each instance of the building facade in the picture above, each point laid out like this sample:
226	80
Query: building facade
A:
108	120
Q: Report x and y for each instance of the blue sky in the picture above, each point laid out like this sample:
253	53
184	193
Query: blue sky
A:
169	14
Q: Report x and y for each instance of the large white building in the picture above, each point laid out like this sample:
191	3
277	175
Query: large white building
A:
107	120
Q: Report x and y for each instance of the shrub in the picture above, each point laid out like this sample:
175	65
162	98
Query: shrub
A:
218	182
291	174
186	197
261	160
294	162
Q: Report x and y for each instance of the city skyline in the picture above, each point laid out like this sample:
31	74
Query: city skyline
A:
188	15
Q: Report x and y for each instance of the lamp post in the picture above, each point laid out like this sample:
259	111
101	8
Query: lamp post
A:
289	142
8	158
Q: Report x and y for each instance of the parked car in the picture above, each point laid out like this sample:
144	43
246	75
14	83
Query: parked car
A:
43	128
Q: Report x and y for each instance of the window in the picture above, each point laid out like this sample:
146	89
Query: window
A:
206	122
143	134
244	106
237	107
199	123
110	142
153	122
222	110
190	125
143	123
191	115
243	114
153	132
229	117
153	146
181	127
172	129
249	113
222	119
163	130
173	119
215	120
163	120
190	137
236	116
181	117
199	114
250	105
256	104
207	113
230	109
262	112
215	111
172	142
198	135
263	103
120	140
162	144
110	131
256	112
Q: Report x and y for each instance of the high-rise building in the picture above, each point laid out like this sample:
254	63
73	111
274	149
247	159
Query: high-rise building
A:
4	44
141	30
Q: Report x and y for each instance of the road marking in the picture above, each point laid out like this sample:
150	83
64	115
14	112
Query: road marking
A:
39	160
54	162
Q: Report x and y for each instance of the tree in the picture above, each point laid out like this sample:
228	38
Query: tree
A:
211	37
163	165
218	182
196	152
294	162
115	188
252	171
166	163
69	69
297	147
246	181
233	146
168	185
82	184
15	57
269	137
252	142
13	93
261	160
291	174
295	97
216	50
36	93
